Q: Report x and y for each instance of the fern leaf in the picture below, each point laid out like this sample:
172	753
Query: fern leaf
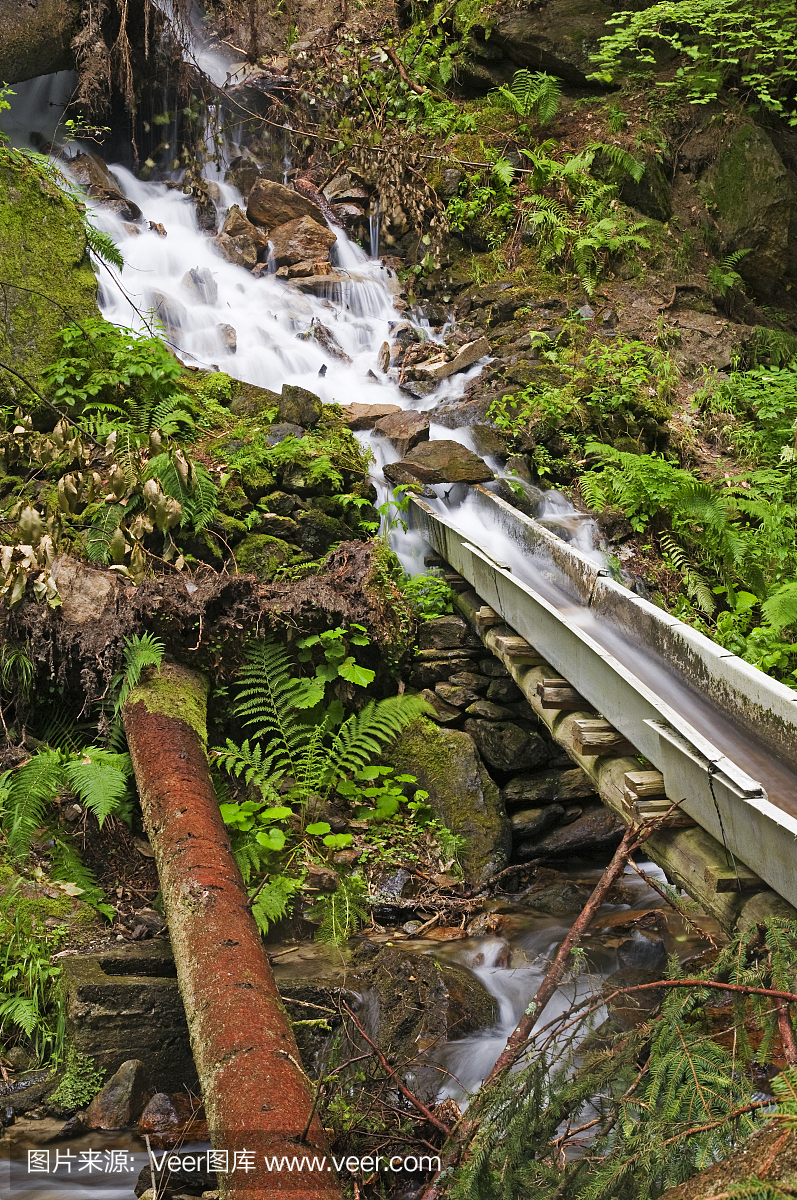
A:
268	698
28	793
68	867
100	779
272	901
362	735
98	536
780	609
342	913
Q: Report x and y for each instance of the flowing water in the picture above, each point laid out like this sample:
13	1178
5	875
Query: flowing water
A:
182	281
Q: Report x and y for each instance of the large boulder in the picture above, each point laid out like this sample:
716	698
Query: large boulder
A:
299	407
44	253
301	240
37	37
272	204
404	429
555	36
240	241
365	416
440	462
122	1099
754	199
461	792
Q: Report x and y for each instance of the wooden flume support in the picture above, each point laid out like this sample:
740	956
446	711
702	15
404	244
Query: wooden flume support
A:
256	1093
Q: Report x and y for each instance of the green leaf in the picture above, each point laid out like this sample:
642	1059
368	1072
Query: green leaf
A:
318	827
360	676
270	839
337	841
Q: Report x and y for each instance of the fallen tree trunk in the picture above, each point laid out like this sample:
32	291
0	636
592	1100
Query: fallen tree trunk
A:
257	1097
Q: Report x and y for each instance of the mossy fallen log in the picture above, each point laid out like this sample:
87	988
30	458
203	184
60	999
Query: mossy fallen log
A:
257	1097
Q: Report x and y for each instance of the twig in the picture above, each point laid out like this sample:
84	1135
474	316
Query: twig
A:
414	1101
402	70
51	406
681	912
786	1031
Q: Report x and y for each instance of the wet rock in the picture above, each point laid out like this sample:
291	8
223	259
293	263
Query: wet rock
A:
530	821
461	793
505	746
447	633
446	933
168	1120
642	951
486	923
243	173
597	826
546	787
441	367
421	1004
229	337
404	429
299	407
206	215
558	897
365	416
343	188
117	202
301	241
443	462
444	713
171	312
326	339
122	1099
460	697
241	242
89	170
200	283
272	204
630	1011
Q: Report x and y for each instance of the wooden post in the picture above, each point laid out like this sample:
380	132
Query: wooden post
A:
257	1096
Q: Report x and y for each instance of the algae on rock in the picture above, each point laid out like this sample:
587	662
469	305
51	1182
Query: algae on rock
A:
46	277
461	792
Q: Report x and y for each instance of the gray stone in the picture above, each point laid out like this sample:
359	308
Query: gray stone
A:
447	633
505	746
494	668
596	827
122	1099
85	592
200	283
469	679
281	430
444	713
557	897
444	462
487	711
299	407
504	691
461	793
241	242
460	697
531	821
549	786
229	337
326	339
553	37
404	429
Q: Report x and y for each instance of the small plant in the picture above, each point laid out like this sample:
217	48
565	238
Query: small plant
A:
29	1002
532	92
429	595
80	1082
724	277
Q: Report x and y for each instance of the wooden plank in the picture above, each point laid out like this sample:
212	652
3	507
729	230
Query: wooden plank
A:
517	648
730	878
486	617
557	693
644	784
597	736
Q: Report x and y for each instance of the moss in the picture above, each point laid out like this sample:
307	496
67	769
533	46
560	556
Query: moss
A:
44	250
231	530
261	555
183	696
233	501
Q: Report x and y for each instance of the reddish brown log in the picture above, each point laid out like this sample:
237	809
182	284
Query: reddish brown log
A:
256	1094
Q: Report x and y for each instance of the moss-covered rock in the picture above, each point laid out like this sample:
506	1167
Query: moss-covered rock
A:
249	400
461	792
754	199
229	528
318	531
46	271
257	483
261	555
233	501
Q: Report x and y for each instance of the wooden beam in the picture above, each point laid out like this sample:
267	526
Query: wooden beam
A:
642	785
598	736
557	693
516	648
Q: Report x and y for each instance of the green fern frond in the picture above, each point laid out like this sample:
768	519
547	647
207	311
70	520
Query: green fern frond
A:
272	901
98	537
780	609
268	700
198	503
363	735
141	651
250	763
103	245
100	779
342	913
68	867
27	793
